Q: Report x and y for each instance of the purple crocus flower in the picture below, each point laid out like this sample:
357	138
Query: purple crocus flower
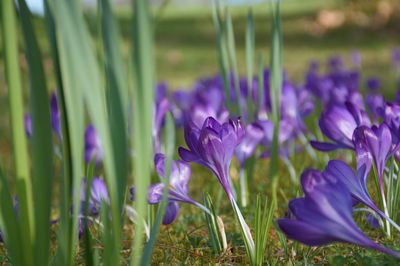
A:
179	178
377	141
338	124
325	214
93	145
199	113
375	102
391	114
98	193
396	58
213	146
356	184
160	109
373	84
28	125
254	134
355	58
55	115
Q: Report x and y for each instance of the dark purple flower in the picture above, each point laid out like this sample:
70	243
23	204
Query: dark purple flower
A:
93	145
375	102
356	185
178	180
325	214
377	142
199	113
213	146
391	115
160	109
373	84
396	57
98	193
28	125
254	134
55	115
338	124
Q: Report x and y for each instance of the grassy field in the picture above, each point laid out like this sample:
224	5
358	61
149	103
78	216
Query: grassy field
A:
185	50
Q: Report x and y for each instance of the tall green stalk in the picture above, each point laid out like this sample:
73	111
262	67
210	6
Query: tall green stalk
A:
20	153
276	89
142	114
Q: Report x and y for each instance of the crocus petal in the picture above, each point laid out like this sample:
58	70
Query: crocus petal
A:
171	212
325	146
155	192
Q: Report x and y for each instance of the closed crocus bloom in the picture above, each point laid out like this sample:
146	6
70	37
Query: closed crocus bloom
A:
338	124
93	145
254	134
324	215
55	115
391	114
377	141
177	192
98	193
375	102
159	111
28	125
213	146
373	84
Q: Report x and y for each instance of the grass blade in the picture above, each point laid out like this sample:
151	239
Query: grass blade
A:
142	113
222	53
8	221
20	153
276	89
42	146
117	90
169	153
249	64
64	231
232	58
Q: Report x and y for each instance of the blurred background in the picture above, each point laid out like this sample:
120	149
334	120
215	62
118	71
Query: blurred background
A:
186	47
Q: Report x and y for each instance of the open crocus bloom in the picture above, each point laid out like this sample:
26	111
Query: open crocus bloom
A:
213	146
338	124
325	214
254	134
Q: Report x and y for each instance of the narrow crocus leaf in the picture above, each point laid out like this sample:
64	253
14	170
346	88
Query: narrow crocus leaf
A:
142	113
222	53
215	230
249	64
16	107
63	253
11	234
42	146
169	134
275	90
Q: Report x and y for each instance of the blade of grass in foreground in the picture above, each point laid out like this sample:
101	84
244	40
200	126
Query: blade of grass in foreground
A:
16	107
232	59
142	114
82	70
117	91
276	88
42	146
64	230
8	221
249	64
169	153
222	53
